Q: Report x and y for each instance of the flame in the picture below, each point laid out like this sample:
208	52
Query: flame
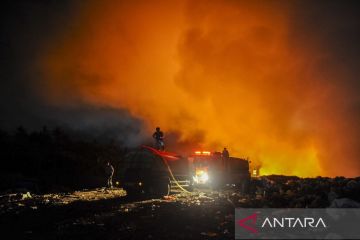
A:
220	73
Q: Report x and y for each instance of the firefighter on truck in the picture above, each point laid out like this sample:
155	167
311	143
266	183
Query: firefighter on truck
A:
159	139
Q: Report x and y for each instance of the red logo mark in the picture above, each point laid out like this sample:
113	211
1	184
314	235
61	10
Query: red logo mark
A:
252	219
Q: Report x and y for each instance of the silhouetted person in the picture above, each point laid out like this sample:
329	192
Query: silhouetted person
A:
159	139
109	170
225	159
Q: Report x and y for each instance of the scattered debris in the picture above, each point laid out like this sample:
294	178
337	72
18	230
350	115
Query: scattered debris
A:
18	201
26	196
204	213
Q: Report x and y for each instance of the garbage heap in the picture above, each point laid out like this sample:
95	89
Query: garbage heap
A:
295	192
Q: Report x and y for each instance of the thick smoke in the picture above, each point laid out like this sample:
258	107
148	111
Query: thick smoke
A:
272	80
28	28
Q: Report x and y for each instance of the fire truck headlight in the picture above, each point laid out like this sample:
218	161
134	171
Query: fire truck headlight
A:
204	177
201	178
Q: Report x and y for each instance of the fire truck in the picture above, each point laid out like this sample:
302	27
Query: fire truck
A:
146	170
209	169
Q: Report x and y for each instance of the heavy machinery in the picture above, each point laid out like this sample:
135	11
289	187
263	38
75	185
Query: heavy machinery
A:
149	171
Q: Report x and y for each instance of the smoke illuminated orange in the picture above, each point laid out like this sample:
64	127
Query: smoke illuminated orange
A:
219	73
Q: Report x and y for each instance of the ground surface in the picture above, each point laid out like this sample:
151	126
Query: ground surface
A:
109	214
202	214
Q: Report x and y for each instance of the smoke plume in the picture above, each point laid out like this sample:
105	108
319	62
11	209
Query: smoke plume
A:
274	81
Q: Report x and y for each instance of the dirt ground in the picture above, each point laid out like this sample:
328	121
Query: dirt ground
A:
109	214
202	214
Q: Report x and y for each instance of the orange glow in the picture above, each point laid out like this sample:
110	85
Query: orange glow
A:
217	73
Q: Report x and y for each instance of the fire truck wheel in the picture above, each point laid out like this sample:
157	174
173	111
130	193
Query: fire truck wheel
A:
159	189
164	189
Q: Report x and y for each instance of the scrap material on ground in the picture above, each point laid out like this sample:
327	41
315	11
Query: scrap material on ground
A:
202	214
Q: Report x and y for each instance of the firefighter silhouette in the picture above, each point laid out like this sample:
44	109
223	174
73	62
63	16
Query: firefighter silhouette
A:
109	170
225	159
159	139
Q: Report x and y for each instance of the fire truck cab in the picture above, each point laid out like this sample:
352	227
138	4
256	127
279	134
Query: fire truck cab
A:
209	169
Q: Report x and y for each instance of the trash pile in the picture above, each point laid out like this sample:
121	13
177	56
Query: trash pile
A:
293	192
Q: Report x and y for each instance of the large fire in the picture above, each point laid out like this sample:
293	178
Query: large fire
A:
218	73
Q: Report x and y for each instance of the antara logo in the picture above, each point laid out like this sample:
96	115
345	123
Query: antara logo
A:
290	222
249	223
251	218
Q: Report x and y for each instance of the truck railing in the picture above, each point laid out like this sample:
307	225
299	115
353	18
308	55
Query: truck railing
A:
176	186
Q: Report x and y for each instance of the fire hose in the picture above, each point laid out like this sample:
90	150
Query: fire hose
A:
163	156
173	177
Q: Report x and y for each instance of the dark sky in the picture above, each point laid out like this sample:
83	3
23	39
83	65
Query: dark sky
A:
336	26
26	28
